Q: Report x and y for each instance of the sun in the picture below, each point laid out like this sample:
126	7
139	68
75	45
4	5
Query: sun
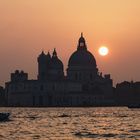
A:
103	51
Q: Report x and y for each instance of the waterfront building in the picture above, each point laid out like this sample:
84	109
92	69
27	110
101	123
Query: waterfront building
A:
83	84
127	93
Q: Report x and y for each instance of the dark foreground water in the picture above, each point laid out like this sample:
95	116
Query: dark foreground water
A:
71	124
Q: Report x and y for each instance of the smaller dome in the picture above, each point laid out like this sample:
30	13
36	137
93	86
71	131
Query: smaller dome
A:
56	63
43	57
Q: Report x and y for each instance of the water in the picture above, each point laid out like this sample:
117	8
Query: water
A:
71	124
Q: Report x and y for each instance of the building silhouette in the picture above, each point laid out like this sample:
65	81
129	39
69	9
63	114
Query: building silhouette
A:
127	93
83	84
2	97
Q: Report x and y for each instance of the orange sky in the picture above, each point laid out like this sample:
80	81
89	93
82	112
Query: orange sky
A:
28	26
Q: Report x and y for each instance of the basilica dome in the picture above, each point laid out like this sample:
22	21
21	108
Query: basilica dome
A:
82	57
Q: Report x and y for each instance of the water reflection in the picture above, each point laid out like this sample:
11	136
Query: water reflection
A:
71	123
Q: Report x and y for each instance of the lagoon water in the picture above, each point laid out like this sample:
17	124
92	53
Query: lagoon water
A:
71	124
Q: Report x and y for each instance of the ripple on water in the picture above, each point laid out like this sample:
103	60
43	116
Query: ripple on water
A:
86	134
135	130
71	124
94	135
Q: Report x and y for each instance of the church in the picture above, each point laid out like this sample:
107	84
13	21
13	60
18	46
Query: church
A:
82	85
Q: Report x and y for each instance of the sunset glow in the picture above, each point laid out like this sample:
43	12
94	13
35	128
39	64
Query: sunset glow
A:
27	26
103	51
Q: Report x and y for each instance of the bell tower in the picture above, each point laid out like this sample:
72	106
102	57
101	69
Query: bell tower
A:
43	66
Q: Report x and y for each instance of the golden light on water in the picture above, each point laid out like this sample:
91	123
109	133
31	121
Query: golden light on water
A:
103	51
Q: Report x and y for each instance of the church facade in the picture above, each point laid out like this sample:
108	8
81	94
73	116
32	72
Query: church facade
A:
83	85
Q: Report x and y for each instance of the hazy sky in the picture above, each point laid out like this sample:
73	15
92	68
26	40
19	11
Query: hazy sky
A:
28	26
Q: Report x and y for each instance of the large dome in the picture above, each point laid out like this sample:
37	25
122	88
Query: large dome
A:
82	58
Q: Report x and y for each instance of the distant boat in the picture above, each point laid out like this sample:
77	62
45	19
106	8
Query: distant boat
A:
4	116
134	106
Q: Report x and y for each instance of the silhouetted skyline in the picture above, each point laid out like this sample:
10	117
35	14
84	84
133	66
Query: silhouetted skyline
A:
83	84
27	27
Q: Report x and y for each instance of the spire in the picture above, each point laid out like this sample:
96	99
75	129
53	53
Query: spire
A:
42	51
81	34
42	54
82	38
48	55
54	53
81	43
